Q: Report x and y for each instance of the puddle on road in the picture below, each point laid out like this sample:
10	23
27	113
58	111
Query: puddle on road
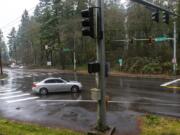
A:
3	82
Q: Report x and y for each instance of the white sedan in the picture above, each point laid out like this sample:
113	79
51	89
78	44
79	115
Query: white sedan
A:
56	85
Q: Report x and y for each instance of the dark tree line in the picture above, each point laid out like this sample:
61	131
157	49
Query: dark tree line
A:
57	24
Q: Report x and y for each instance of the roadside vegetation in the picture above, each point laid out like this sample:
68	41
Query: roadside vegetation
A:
157	125
145	65
15	128
3	76
52	31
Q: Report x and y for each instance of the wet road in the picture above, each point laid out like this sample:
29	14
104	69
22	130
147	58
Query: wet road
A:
129	97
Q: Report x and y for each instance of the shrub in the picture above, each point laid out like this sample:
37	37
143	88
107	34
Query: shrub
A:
167	67
153	68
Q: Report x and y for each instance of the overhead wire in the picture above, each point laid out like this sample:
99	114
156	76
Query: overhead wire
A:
13	22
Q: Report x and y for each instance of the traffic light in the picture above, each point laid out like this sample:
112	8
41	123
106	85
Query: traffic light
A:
165	17
88	22
155	16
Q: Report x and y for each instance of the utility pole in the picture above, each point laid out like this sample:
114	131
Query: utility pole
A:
0	54
174	52
101	119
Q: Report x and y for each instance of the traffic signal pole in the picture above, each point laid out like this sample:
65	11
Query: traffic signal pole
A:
149	4
74	58
101	119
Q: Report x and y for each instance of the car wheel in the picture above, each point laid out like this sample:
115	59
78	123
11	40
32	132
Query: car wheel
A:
43	91
75	89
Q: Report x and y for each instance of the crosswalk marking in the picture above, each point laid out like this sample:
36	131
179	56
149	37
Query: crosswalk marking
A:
1	89
19	100
15	96
9	90
9	93
68	101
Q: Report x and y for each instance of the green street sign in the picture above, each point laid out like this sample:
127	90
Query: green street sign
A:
160	39
66	50
120	61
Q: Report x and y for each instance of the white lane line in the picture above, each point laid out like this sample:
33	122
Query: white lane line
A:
119	102
2	89
19	100
154	104
7	90
21	95
9	93
168	83
89	101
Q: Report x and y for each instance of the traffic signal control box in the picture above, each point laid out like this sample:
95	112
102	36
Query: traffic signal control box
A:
93	67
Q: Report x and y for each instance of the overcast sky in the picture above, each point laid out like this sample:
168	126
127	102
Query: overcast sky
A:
11	11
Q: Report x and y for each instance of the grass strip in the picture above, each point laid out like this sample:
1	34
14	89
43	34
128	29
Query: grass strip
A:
3	76
157	125
8	127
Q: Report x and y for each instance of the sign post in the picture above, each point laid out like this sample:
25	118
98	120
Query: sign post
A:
174	51
120	61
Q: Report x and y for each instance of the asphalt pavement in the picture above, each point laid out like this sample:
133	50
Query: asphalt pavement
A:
129	98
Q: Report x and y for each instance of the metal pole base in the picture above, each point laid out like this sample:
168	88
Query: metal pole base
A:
109	131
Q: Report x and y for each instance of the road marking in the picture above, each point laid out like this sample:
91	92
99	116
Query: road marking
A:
28	76
19	100
9	93
9	90
154	104
172	87
5	89
85	101
119	102
168	83
15	96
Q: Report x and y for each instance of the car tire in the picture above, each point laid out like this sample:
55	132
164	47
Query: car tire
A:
43	91
75	89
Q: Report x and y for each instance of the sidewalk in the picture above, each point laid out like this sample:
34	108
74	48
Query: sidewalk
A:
113	73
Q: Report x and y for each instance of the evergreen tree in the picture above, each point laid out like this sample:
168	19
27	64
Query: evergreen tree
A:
12	44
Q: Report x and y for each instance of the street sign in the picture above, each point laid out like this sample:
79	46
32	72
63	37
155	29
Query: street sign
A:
46	47
66	50
160	39
120	61
49	63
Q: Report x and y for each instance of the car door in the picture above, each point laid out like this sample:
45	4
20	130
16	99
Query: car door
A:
50	85
60	85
